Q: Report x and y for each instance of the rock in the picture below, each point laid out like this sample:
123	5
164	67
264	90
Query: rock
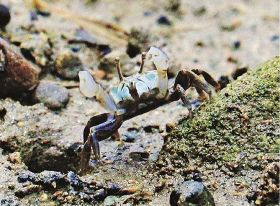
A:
74	180
230	25
130	135
37	48
108	64
17	75
43	197
50	179
113	188
236	44
5	15
139	156
52	95
163	20
26	176
191	193
199	11
68	65
14	158
9	202
111	200
138	41
172	5
3	112
28	190
100	195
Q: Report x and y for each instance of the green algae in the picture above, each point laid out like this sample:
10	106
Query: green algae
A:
241	123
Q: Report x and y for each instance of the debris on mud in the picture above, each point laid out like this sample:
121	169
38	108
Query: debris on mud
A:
267	191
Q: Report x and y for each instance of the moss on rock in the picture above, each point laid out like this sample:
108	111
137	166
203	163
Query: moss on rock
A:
240	124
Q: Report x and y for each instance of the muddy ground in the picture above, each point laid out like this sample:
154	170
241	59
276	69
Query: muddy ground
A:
217	36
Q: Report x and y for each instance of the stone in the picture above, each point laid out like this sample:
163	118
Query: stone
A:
5	15
130	136
51	94
111	200
191	193
68	65
17	75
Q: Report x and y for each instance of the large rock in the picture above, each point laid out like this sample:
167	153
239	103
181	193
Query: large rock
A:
17	75
191	193
238	128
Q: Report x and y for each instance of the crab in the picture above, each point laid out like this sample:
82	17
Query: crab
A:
135	95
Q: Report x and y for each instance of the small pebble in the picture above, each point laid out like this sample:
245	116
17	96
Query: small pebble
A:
3	112
130	136
5	15
111	200
68	65
274	38
163	20
14	158
236	44
43	197
100	195
139	156
113	188
223	81
199	11
74	180
170	126
52	95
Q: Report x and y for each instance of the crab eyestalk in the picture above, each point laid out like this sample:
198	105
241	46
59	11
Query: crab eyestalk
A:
161	62
118	65
142	62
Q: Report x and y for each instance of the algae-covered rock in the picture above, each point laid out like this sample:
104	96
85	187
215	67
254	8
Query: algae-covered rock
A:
239	128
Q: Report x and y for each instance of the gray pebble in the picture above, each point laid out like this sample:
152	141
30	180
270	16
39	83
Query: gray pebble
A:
51	94
191	193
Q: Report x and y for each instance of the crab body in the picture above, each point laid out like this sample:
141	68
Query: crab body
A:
135	95
137	89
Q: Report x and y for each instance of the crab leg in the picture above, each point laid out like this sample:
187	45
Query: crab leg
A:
189	79
208	78
98	128
184	98
118	65
142	62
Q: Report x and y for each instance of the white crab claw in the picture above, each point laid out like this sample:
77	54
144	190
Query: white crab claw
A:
90	88
159	58
87	84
